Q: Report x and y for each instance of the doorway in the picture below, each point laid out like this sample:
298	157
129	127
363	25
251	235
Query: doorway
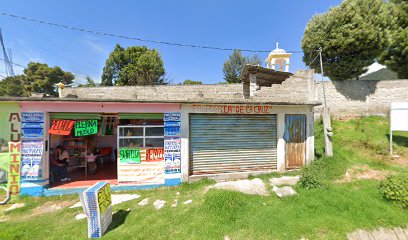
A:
295	138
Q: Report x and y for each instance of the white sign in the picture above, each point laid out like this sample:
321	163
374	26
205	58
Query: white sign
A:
399	116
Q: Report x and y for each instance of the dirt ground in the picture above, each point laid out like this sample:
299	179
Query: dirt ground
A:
363	172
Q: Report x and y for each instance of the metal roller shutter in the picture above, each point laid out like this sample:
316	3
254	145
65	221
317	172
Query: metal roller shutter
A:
232	143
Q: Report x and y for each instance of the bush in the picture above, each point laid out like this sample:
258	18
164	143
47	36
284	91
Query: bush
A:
309	178
395	188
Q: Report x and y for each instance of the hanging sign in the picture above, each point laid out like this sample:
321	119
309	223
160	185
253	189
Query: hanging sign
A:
97	204
129	155
85	128
61	127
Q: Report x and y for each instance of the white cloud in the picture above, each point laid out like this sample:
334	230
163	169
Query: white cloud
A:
96	46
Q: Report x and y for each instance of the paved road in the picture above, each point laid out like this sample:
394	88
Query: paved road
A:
380	234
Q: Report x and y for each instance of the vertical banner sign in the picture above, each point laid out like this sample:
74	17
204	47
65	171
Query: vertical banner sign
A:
85	128
32	144
97	204
172	143
31	155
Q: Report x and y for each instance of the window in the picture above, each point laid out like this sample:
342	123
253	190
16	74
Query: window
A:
149	136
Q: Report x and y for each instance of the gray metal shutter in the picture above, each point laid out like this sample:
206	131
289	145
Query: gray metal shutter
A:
232	143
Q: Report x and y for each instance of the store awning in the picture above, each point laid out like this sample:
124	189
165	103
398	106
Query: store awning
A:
140	115
70	116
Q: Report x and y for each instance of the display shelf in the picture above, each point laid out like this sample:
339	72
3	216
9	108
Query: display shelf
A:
77	149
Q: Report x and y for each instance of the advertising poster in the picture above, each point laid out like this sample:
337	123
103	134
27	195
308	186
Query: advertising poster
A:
85	128
129	155
32	124
172	143
31	155
61	127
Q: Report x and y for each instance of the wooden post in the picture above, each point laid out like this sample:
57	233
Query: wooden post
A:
327	130
391	142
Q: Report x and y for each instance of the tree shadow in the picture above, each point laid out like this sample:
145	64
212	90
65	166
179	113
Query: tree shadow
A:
357	90
399	140
118	218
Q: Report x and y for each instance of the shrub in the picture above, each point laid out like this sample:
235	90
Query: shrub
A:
395	188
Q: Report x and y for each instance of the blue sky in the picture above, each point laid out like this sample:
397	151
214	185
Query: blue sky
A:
226	23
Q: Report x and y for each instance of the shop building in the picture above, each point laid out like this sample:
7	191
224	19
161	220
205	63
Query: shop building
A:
139	137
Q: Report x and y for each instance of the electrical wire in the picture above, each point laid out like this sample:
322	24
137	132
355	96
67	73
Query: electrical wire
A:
132	38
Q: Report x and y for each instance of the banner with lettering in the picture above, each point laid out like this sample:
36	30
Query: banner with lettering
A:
141	165
61	127
85	128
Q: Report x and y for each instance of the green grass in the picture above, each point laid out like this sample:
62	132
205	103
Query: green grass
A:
323	213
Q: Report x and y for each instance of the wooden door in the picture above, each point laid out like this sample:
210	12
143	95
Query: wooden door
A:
295	138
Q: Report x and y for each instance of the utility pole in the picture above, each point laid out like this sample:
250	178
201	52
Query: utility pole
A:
8	64
327	129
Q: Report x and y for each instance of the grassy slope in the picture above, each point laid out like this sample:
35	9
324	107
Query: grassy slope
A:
326	213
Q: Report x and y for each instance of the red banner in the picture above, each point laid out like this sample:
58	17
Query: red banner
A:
61	127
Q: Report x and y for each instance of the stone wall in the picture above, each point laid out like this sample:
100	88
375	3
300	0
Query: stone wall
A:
159	92
360	98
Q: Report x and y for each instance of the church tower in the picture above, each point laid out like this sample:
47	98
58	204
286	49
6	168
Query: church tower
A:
278	59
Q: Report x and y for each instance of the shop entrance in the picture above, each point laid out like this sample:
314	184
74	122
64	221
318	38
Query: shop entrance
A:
85	147
82	149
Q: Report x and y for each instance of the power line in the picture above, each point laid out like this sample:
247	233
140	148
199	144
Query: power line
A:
132	38
13	63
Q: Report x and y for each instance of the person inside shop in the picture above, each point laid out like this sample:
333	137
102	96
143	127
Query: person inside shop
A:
59	163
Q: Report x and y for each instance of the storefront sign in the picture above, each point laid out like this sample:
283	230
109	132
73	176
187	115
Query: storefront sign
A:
85	128
97	204
61	127
32	117
171	131
154	154
129	155
172	116
232	109
31	155
14	170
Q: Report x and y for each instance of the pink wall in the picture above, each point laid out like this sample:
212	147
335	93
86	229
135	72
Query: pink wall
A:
99	107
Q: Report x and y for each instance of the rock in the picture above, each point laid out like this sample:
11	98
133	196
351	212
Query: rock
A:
284	191
15	206
285	180
80	216
255	186
158	204
116	199
144	202
188	201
